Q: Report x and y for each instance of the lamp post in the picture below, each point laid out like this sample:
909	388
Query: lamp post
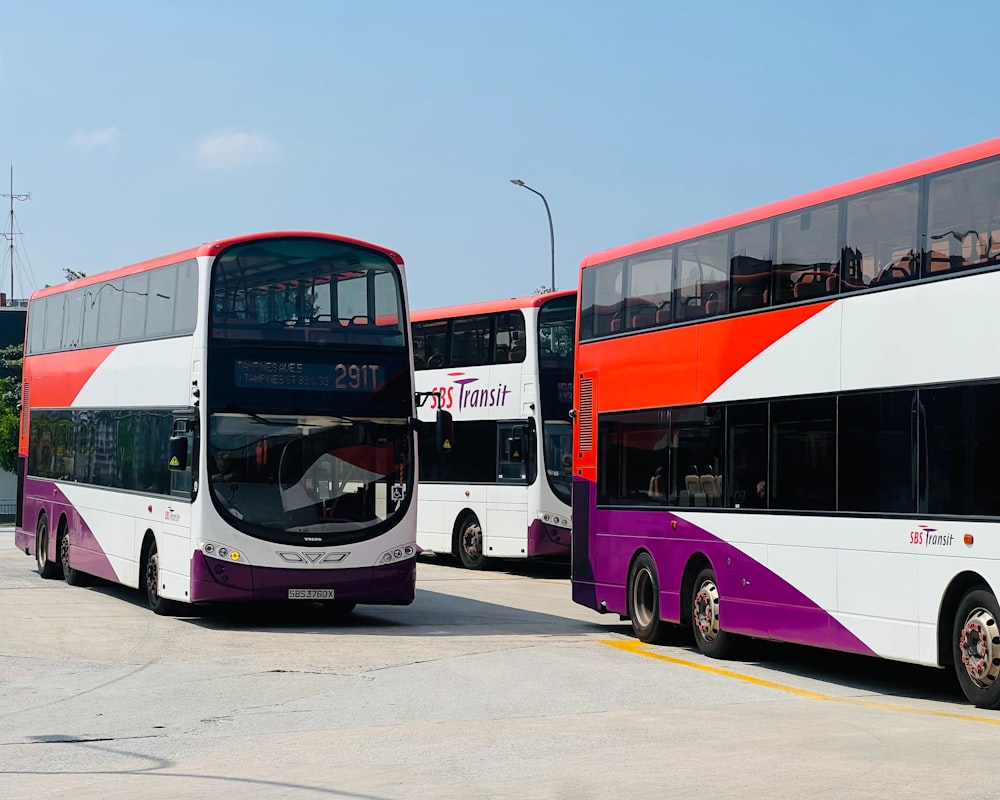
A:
552	235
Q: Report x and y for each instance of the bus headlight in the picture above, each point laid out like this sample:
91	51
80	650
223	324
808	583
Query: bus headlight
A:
555	520
397	554
223	553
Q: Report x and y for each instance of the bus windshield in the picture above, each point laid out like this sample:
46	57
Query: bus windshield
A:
556	324
306	291
282	477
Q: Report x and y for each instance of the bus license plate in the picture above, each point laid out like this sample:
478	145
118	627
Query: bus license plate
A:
310	594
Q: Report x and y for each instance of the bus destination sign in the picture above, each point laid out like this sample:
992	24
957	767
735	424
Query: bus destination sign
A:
343	376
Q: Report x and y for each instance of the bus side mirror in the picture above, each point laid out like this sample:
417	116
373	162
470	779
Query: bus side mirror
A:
177	460
444	431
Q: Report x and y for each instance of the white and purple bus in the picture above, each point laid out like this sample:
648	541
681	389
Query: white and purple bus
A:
787	423
234	422
504	369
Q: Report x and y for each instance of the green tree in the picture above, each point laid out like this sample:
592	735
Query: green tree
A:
11	358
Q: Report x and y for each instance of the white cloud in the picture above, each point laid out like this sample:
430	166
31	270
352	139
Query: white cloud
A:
92	140
233	149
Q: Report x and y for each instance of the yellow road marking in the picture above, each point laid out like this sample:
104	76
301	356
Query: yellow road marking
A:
638	648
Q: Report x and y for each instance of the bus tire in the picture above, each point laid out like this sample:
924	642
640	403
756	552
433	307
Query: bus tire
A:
72	576
976	647
47	568
643	602
469	542
151	583
711	639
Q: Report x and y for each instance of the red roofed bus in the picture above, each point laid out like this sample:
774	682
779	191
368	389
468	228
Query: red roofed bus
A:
233	422
504	369
787	423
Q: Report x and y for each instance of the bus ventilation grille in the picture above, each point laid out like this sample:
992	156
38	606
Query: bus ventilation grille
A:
24	409
586	414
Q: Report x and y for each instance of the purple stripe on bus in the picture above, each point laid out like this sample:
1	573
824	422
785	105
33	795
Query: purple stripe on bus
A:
216	580
547	540
755	600
86	554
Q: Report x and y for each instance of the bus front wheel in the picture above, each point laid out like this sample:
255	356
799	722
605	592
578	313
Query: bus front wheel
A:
976	647
46	568
644	602
705	618
470	542
151	575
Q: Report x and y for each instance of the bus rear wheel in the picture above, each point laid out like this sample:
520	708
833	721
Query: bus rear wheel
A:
46	568
712	641
644	602
976	647
470	542
151	579
73	576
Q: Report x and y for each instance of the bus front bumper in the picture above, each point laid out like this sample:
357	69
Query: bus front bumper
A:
213	580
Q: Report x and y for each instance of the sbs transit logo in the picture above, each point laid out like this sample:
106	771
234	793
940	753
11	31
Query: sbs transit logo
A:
463	394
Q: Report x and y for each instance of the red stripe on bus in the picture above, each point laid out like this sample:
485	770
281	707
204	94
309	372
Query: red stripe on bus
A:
685	365
57	378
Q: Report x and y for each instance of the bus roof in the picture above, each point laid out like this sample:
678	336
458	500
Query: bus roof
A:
206	249
954	158
488	306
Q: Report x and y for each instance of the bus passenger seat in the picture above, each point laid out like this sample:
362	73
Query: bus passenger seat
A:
811	284
663	315
710	489
644	317
693	484
503	354
517	353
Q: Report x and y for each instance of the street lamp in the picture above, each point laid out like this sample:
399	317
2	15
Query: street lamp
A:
552	235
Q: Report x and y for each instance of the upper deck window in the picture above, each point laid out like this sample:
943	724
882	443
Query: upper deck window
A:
882	231
306	291
601	300
963	229
471	340
650	283
808	255
702	284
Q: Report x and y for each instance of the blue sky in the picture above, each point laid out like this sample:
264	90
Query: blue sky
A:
141	129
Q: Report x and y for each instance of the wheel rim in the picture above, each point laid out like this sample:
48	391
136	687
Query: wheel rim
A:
979	644
706	610
643	597
64	552
42	549
472	542
153	578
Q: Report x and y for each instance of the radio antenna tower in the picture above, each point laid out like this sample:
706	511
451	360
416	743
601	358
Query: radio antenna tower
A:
11	232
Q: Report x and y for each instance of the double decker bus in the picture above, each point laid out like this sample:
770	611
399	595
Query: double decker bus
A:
787	423
504	371
229	423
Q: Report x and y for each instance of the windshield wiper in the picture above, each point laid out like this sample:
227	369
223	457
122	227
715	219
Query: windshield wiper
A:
258	418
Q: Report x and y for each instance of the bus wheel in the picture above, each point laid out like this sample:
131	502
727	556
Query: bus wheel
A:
976	648
470	542
151	575
644	602
47	569
708	634
73	576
